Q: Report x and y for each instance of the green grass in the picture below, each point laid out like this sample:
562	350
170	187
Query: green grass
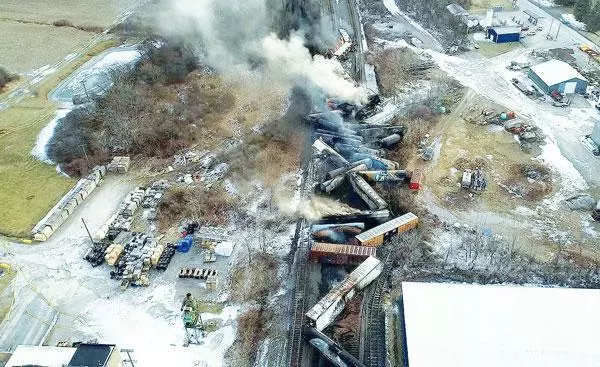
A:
480	6
490	49
80	12
214	308
29	188
26	47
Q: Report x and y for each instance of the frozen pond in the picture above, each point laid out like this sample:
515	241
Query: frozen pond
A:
95	75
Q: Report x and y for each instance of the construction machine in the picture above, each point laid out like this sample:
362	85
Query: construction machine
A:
192	321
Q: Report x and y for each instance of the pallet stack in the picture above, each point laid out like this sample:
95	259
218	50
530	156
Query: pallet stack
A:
119	165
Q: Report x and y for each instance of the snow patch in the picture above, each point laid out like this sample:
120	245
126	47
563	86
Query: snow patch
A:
41	145
570	19
392	7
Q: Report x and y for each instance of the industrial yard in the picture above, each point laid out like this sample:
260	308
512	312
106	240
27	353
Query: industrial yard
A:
325	184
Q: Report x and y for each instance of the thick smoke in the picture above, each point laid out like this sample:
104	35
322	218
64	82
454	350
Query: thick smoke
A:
314	208
236	38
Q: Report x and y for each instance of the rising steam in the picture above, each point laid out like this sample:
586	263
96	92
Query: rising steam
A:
312	209
235	38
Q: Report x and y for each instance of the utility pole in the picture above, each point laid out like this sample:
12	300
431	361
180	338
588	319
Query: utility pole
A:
86	156
128	356
88	231
559	24
85	90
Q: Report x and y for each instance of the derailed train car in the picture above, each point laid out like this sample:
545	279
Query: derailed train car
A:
331	253
331	305
377	235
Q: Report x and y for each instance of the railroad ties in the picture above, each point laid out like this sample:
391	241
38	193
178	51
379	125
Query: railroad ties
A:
373	332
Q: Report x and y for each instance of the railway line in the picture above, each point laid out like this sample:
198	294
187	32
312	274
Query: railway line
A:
372	351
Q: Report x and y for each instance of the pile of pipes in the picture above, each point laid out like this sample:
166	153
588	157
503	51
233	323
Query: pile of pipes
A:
121	221
96	255
165	258
154	194
136	259
67	205
119	165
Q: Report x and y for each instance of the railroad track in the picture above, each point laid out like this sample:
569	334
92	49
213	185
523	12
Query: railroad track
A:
358	65
329	10
300	263
372	349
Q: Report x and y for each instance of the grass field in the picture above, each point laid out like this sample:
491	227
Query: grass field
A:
80	12
490	49
27	47
29	187
480	6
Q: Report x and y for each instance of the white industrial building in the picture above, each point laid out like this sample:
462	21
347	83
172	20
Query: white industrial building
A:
556	75
461	325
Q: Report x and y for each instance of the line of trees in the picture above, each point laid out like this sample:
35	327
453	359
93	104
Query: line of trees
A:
5	77
588	12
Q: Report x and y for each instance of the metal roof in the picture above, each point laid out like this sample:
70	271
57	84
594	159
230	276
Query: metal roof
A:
533	15
467	325
554	72
344	287
506	30
344	249
456	9
386	227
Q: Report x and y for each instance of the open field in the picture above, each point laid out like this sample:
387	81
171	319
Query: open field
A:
489	147
480	6
81	12
27	47
29	187
490	49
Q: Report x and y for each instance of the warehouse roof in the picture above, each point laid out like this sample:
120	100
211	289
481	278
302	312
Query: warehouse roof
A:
507	30
466	325
26	355
553	72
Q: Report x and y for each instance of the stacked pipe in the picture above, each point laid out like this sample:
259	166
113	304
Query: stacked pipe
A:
67	205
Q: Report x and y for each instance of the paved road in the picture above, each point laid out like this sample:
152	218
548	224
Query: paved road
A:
52	279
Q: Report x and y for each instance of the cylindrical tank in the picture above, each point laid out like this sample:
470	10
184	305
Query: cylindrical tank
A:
391	140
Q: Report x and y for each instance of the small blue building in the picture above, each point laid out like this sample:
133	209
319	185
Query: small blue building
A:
556	75
504	34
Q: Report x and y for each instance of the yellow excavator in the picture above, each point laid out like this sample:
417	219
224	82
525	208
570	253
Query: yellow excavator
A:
192	321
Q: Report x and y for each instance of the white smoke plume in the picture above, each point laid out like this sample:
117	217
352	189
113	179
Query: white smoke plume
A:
236	39
312	209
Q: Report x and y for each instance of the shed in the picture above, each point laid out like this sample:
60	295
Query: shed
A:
466	325
96	355
504	34
556	75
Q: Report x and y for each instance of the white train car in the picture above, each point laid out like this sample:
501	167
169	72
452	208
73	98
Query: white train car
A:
346	44
331	305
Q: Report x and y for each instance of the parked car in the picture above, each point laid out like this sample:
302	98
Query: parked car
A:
524	29
598	106
540	29
531	33
560	104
